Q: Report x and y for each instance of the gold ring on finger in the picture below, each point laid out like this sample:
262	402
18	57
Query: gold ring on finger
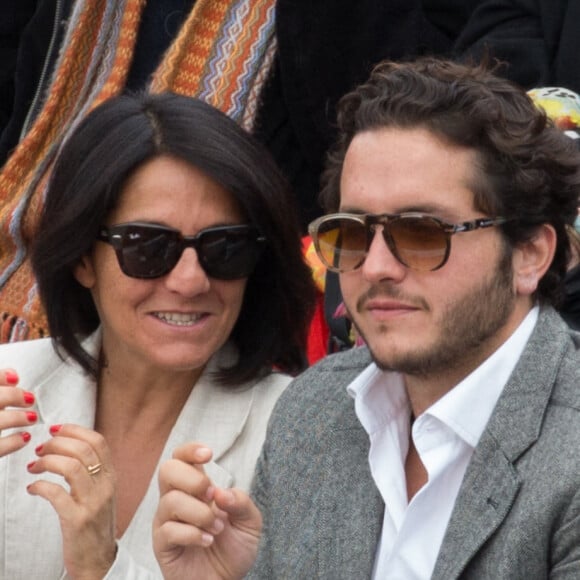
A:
94	469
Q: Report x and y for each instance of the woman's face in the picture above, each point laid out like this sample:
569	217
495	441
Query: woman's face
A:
178	321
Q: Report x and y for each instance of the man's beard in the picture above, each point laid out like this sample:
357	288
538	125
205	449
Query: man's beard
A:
465	327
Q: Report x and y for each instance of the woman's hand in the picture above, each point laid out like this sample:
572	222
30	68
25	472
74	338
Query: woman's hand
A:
200	531
13	414
86	511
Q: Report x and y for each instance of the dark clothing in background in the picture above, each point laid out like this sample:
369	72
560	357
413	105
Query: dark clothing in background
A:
325	48
570	310
538	39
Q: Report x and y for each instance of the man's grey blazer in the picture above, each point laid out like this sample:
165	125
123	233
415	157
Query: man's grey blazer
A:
517	515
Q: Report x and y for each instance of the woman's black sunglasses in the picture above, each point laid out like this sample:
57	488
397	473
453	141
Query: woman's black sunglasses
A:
151	251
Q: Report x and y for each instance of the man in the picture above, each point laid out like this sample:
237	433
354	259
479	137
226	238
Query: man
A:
448	448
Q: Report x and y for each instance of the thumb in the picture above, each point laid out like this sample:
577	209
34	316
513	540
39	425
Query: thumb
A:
193	453
242	511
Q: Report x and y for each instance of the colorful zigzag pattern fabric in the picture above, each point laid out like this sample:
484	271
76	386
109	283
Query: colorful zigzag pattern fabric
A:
223	54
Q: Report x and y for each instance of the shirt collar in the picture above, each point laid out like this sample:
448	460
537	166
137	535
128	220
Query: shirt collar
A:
467	407
380	396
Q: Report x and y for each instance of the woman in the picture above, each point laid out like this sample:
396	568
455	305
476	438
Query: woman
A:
168	261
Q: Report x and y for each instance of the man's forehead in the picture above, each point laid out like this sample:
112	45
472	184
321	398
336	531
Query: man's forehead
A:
392	170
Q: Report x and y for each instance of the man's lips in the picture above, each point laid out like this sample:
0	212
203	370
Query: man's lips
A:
388	306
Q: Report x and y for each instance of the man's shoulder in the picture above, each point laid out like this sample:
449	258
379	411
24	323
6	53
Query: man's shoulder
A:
567	381
332	372
15	352
321	389
554	355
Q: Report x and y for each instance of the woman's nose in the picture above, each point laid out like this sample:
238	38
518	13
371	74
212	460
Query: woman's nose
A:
188	277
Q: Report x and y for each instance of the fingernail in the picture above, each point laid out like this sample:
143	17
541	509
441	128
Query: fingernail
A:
209	492
28	398
38	449
55	429
201	453
25	436
206	540
31	416
11	377
30	465
217	526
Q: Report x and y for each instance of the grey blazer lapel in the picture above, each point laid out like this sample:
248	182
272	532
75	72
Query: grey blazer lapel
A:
491	483
351	510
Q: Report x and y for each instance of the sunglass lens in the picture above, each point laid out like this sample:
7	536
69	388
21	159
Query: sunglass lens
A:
229	253
148	252
420	242
342	243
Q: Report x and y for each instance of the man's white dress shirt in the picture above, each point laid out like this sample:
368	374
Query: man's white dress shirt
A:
445	436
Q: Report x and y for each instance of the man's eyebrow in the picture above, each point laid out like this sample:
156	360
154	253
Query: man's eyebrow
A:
349	209
431	209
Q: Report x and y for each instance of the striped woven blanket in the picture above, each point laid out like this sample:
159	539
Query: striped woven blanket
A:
223	54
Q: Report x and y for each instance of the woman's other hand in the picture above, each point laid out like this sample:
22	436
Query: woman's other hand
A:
15	412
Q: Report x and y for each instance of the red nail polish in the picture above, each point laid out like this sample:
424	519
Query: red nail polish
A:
31	416
38	449
55	429
11	377
30	465
25	436
28	398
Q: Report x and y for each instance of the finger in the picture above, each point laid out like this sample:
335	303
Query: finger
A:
193	453
15	397
89	436
14	418
82	484
177	506
242	511
14	442
79	450
171	534
82	443
175	474
61	501
8	377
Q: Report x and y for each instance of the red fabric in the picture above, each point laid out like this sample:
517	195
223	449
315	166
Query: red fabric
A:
318	333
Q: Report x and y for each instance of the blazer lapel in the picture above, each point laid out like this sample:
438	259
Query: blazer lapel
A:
213	415
491	482
487	493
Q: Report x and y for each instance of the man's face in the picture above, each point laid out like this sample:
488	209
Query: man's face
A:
425	323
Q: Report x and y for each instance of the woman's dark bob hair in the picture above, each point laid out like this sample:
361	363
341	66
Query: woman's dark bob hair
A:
113	141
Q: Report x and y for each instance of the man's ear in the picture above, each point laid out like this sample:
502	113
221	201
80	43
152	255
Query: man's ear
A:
532	259
84	272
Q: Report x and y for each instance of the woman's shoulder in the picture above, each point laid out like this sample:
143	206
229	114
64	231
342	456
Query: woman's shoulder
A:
38	358
267	389
16	351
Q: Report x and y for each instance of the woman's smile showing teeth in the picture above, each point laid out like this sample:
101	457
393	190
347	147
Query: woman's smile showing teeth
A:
179	318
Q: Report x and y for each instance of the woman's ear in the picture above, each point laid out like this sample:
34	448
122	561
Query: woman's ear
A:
532	259
84	272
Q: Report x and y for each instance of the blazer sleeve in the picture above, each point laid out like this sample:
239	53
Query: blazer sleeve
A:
566	544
